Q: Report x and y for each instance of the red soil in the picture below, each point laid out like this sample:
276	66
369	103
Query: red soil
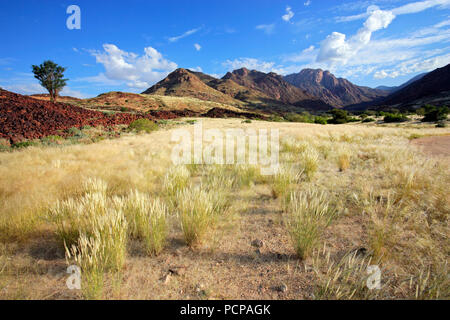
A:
23	117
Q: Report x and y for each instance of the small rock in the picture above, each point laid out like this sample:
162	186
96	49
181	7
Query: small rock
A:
360	252
257	243
199	287
282	288
178	270
166	278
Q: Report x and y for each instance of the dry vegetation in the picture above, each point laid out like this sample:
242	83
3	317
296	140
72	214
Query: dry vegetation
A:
346	197
124	101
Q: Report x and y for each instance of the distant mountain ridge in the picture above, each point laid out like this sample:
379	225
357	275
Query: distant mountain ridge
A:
338	92
310	89
393	89
185	83
240	87
427	88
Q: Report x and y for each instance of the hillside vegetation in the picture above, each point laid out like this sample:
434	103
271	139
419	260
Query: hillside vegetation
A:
346	197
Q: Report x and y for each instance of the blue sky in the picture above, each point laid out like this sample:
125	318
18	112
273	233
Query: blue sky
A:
130	45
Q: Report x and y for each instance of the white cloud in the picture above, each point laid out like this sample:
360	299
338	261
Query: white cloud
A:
413	66
360	55
307	55
184	35
35	88
216	75
136	71
249	63
413	7
197	46
100	79
443	24
289	14
267	28
420	6
307	3
6	61
198	69
336	49
259	65
67	91
381	74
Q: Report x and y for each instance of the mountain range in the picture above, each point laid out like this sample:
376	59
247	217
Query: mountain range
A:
337	92
310	89
393	89
432	86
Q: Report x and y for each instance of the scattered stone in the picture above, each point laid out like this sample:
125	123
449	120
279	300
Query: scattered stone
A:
257	243
178	270
166	278
360	252
282	288
199	287
261	288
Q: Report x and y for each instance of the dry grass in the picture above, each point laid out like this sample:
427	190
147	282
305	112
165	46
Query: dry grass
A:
392	199
198	214
147	220
309	213
116	101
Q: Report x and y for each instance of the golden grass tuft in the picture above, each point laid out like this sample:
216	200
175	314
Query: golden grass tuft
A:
197	212
146	219
309	213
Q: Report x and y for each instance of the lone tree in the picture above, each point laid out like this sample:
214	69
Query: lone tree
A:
50	76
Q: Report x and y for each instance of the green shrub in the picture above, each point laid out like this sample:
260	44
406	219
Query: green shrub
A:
163	122
276	119
24	144
420	111
4	145
395	117
75	132
124	109
247	121
320	120
143	125
339	116
52	140
441	124
433	113
368	120
304	117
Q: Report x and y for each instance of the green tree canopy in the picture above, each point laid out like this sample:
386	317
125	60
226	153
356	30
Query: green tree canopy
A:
339	116
51	77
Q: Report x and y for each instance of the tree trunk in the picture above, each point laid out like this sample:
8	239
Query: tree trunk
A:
52	96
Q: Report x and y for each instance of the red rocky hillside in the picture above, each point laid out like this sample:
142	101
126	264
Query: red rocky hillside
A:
23	117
